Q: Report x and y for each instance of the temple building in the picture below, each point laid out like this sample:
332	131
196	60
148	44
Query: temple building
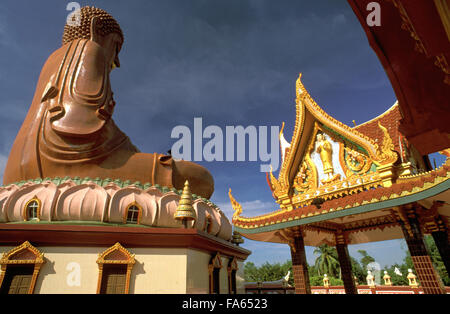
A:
344	185
83	211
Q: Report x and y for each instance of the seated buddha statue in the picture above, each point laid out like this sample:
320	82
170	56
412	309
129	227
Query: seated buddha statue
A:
69	130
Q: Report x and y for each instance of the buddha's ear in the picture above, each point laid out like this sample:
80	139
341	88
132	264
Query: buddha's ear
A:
95	27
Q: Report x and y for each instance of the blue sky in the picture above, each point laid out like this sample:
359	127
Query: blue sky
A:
230	62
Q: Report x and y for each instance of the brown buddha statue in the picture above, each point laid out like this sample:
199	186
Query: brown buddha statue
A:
69	131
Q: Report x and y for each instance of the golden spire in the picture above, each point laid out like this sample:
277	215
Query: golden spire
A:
185	212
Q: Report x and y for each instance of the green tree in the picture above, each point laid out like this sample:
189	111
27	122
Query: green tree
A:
365	260
316	280
267	272
396	279
327	261
437	259
408	264
250	272
358	271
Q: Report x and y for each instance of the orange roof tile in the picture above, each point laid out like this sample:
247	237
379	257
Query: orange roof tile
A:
390	120
402	185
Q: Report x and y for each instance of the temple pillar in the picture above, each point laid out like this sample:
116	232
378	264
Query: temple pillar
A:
299	264
345	263
429	278
433	223
441	239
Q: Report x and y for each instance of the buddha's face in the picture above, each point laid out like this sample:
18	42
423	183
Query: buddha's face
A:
111	43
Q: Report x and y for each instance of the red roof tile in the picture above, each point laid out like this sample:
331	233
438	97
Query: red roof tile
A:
390	120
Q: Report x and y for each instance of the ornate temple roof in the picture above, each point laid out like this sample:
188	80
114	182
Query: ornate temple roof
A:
407	188
334	177
391	119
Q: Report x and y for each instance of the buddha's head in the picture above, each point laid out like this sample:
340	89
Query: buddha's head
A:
320	137
99	26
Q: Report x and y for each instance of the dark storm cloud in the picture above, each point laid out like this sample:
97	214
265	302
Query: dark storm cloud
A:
231	62
237	61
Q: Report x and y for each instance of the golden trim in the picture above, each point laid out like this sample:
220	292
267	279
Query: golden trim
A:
236	206
238	221
367	143
101	261
38	212
443	9
354	182
407	26
125	216
394	106
363	163
367	153
232	266
215	263
282	186
38	261
444	13
386	155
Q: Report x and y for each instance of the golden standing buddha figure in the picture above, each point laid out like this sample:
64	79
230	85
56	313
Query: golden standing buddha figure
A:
325	151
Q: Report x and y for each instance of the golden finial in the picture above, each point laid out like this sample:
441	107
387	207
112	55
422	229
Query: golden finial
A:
387	279
237	238
236	206
412	279
282	129
326	281
185	212
354	123
386	154
299	86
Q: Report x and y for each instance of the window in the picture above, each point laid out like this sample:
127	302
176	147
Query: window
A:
133	214
20	269
114	279
214	274
216	281
32	210
17	280
115	266
232	270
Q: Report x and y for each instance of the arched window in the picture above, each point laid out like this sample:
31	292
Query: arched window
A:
32	210
19	269
115	266
214	274
133	214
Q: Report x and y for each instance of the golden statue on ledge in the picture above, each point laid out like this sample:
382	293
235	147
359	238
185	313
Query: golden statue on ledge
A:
325	150
69	130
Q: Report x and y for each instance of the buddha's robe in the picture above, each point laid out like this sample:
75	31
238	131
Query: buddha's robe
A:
325	151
